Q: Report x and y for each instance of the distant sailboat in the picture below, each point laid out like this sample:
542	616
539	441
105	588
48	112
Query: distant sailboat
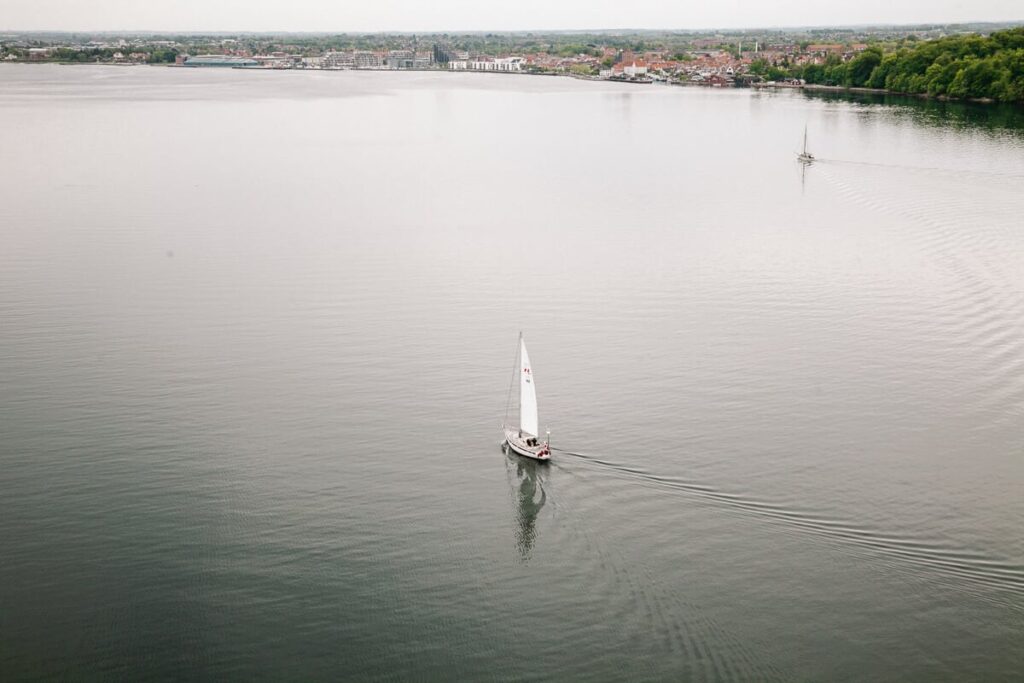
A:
524	440
805	157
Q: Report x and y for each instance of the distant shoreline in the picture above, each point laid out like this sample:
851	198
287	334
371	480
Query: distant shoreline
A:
813	87
868	91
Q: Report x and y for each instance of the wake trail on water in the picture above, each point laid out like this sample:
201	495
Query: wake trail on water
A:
958	172
967	570
979	320
647	609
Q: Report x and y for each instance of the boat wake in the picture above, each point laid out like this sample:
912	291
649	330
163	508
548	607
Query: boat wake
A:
954	172
648	608
983	576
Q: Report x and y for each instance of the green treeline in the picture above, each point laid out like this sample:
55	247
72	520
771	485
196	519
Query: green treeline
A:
154	55
959	67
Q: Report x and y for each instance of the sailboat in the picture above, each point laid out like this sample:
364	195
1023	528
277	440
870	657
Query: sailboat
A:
524	440
805	157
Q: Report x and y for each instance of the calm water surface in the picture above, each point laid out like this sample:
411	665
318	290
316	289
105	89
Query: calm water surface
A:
256	334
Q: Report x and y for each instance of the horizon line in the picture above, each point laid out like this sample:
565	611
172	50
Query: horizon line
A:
636	29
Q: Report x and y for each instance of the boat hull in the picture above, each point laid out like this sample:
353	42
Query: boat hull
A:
541	451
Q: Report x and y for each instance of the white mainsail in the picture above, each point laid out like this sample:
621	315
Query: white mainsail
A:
527	393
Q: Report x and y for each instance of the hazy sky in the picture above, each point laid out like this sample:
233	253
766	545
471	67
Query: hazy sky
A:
435	15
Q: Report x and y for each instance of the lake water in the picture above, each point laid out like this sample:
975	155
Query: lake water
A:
256	337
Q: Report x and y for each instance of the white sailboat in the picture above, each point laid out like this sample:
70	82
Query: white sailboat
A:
805	157
525	440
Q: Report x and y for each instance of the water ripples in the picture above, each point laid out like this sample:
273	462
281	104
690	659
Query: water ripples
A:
644	606
972	571
253	416
984	307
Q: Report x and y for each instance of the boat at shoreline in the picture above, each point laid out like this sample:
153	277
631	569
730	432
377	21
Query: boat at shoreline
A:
524	440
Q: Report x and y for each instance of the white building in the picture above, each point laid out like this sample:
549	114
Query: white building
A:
364	59
400	59
337	60
507	64
633	70
623	70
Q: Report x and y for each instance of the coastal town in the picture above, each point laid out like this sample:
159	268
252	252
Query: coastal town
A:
714	59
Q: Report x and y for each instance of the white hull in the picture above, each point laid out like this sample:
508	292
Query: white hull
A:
519	445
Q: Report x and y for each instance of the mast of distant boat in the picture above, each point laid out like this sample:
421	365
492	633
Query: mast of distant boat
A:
805	157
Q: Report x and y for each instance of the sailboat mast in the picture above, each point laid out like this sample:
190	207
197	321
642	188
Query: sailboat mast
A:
512	382
519	371
805	139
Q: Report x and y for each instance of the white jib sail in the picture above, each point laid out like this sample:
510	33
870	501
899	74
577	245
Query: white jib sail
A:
527	394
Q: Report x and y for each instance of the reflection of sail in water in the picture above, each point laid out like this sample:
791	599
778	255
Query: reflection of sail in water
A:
529	497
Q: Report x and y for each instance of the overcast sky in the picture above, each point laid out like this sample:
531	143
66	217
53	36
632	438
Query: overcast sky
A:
451	15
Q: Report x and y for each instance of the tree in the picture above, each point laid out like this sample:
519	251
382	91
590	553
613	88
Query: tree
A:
881	72
859	69
814	73
162	56
970	66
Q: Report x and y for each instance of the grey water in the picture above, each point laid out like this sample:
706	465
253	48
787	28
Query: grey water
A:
257	331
